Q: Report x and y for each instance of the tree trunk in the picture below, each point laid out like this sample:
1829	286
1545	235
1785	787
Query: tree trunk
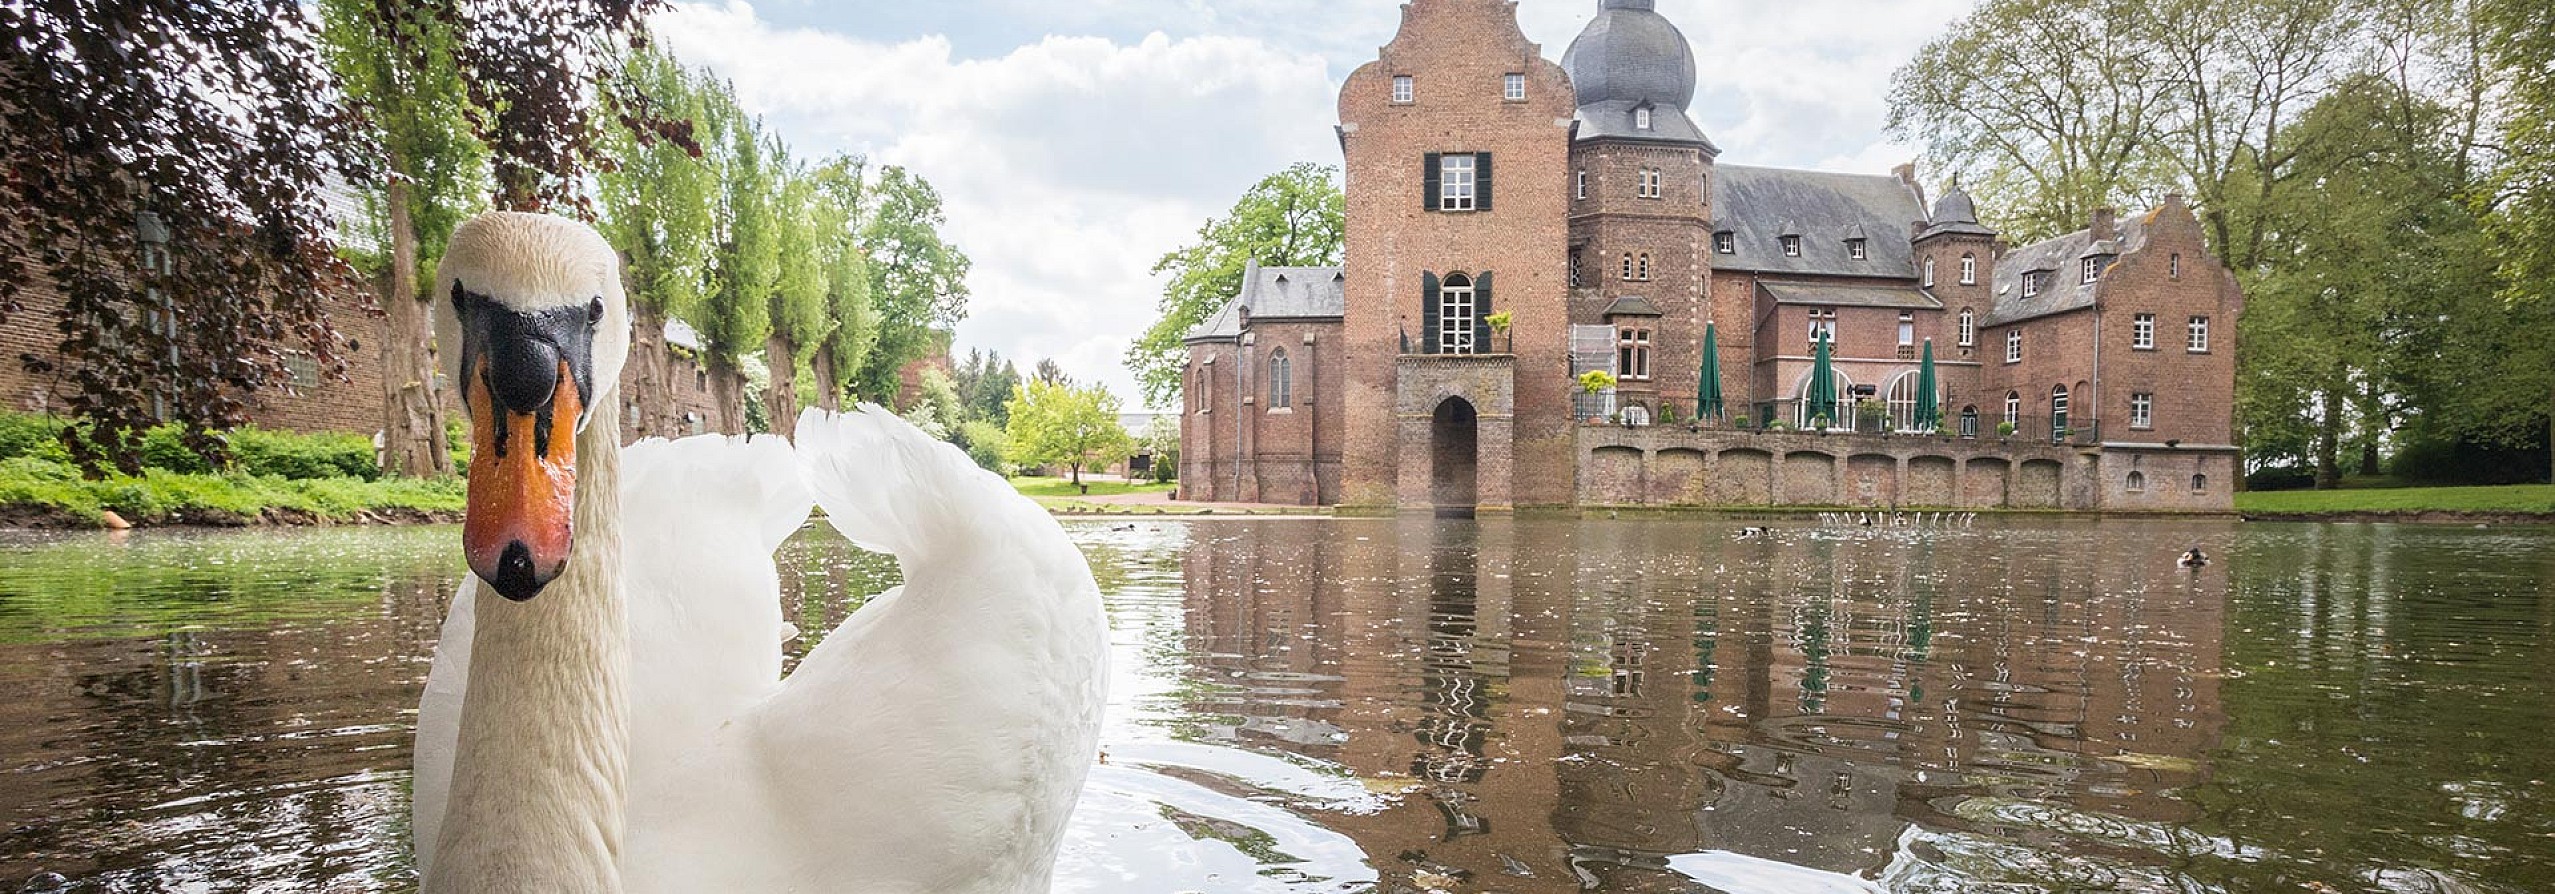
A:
652	382
829	387
2369	458
780	398
412	411
727	389
2328	442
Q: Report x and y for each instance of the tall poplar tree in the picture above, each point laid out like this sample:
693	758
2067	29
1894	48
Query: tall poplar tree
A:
659	201
735	315
799	314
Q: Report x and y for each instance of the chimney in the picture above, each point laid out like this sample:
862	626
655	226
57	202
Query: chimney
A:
2106	224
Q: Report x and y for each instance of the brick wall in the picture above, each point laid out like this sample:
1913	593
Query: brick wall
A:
2172	276
1611	220
1245	447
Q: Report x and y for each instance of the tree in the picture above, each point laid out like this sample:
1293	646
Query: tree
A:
533	68
1047	372
800	315
848	304
735	317
2520	36
658	201
395	63
1293	218
985	384
162	171
918	280
1059	424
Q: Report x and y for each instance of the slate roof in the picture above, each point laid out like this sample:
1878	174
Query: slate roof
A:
1757	205
1278	293
1631	53
1614	120
1824	295
2059	255
1955	213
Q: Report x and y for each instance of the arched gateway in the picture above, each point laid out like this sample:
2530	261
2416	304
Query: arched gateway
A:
1454	457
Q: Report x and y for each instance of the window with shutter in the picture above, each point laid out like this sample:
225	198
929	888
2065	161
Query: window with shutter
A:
1481	313
1431	181
1457	316
1428	295
1459	182
1481	181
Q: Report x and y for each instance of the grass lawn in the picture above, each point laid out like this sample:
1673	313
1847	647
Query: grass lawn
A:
1037	486
2518	498
29	485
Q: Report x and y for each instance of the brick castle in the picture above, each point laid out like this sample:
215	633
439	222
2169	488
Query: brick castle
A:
1514	224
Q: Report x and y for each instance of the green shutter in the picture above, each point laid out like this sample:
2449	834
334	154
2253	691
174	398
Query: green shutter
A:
1481	180
1482	310
1428	309
1429	186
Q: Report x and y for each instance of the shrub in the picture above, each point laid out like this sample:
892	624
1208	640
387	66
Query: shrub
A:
2005	429
2280	478
256	451
26	435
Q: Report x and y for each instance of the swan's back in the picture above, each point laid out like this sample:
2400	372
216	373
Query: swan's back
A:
934	743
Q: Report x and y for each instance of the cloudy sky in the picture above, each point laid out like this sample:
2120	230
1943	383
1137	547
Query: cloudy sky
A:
1076	142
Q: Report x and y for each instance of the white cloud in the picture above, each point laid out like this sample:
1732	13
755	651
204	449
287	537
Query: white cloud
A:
1071	163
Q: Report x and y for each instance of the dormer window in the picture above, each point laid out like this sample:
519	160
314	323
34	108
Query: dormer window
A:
2032	282
1641	119
1402	91
1513	87
1791	246
1969	270
1653	184
1725	242
2089	270
1854	249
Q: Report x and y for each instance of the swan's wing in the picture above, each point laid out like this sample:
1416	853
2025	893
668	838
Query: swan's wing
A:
936	740
700	518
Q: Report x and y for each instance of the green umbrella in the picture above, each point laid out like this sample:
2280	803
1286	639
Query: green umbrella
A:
1929	409
1707	391
1823	385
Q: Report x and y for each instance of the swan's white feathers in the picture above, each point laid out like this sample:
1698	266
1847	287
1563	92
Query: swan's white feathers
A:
933	743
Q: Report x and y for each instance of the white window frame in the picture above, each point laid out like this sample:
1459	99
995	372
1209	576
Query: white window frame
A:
2199	336
1822	323
1929	273
1725	242
1969	270
1644	268
2013	408
1513	87
1855	249
2031	283
1641	119
1907	328
1791	246
1458	182
1455	318
1403	89
2088	270
1579	184
1632	353
2013	345
1653	183
2142	332
2142	411
1969	328
1627	267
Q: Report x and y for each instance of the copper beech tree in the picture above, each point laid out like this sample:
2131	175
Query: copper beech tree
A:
163	170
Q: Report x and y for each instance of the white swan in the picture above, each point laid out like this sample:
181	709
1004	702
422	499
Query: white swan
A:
606	712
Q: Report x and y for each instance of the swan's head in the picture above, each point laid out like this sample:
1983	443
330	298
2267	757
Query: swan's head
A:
534	330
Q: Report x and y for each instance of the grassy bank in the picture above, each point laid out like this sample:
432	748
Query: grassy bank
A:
2513	500
1039	486
43	493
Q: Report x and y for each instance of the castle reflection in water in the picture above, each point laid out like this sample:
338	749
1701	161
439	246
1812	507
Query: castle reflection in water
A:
1570	704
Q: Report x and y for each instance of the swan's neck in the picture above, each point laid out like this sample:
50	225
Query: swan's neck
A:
538	785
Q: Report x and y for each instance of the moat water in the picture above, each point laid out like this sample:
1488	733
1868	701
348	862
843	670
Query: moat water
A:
1444	706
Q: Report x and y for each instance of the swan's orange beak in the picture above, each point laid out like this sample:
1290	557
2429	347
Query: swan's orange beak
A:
520	525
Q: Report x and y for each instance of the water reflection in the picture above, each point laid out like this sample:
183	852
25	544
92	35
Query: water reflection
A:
1510	706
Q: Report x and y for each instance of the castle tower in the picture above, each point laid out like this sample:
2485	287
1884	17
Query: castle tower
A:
1640	212
1456	139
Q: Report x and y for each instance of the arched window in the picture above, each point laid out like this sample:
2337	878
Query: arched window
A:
1969	327
2057	410
1969	269
2199	483
1969	422
1645	267
2137	482
1281	380
2013	408
1905	402
1455	315
1635	415
1839	416
1929	273
1627	265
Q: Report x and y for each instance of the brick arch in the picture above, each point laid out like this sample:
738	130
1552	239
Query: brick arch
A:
1983	482
1930	482
1677	477
1809	478
1742	477
2036	484
1615	476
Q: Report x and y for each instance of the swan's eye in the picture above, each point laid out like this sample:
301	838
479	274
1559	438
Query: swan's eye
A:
594	311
